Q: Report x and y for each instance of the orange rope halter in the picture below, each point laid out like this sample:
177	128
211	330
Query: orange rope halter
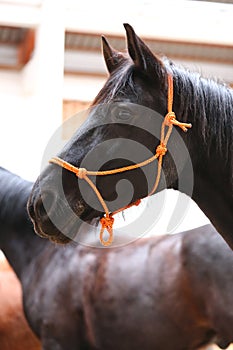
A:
107	221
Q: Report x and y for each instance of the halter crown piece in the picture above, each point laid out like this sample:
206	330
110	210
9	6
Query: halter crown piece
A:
107	220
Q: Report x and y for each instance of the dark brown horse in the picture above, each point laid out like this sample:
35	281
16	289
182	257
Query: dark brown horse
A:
168	292
140	78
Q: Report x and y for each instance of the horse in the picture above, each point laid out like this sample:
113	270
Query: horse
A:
140	78
166	292
14	330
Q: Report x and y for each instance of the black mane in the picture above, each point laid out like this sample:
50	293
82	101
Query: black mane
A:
207	100
211	105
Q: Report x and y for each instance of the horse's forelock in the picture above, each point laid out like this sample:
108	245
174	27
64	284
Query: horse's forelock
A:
116	83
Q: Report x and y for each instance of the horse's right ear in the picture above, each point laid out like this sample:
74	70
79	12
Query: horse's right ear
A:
112	57
140	53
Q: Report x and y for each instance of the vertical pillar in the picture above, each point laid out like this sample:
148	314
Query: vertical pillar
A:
49	57
43	80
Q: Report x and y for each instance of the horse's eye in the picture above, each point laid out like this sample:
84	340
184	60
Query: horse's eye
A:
124	114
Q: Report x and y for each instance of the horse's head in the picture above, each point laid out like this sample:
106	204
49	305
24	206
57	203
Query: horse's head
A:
122	111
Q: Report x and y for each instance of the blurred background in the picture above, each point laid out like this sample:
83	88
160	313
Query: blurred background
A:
51	64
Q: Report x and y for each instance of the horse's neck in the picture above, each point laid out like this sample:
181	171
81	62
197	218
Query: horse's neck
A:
209	107
17	238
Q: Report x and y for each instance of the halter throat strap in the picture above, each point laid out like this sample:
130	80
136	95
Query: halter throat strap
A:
107	220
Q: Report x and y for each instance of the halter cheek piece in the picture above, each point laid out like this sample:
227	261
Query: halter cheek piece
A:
107	220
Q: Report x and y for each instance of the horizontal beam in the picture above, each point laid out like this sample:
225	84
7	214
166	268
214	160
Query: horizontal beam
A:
193	21
208	52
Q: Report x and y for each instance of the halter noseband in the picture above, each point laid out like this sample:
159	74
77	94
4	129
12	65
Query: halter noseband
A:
82	173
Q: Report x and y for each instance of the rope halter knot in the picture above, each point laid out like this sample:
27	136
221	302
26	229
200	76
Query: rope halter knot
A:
161	149
107	224
107	220
82	173
170	119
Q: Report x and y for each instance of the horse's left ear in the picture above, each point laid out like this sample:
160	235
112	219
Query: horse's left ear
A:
140	53
112	57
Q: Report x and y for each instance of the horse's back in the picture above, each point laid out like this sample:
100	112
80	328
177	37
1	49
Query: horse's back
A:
136	298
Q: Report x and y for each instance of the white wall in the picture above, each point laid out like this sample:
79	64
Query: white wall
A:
28	119
24	134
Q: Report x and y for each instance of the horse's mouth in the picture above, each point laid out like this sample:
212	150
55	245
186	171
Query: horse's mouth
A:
57	218
62	227
52	233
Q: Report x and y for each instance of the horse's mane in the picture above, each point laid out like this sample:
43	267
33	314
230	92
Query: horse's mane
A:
14	193
208	101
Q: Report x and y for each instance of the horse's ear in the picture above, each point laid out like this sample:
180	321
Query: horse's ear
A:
112	57
139	52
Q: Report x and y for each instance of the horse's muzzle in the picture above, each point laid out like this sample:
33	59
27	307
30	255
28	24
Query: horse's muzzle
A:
43	212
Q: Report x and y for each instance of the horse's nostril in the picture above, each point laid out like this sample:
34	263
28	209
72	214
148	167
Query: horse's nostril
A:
44	204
